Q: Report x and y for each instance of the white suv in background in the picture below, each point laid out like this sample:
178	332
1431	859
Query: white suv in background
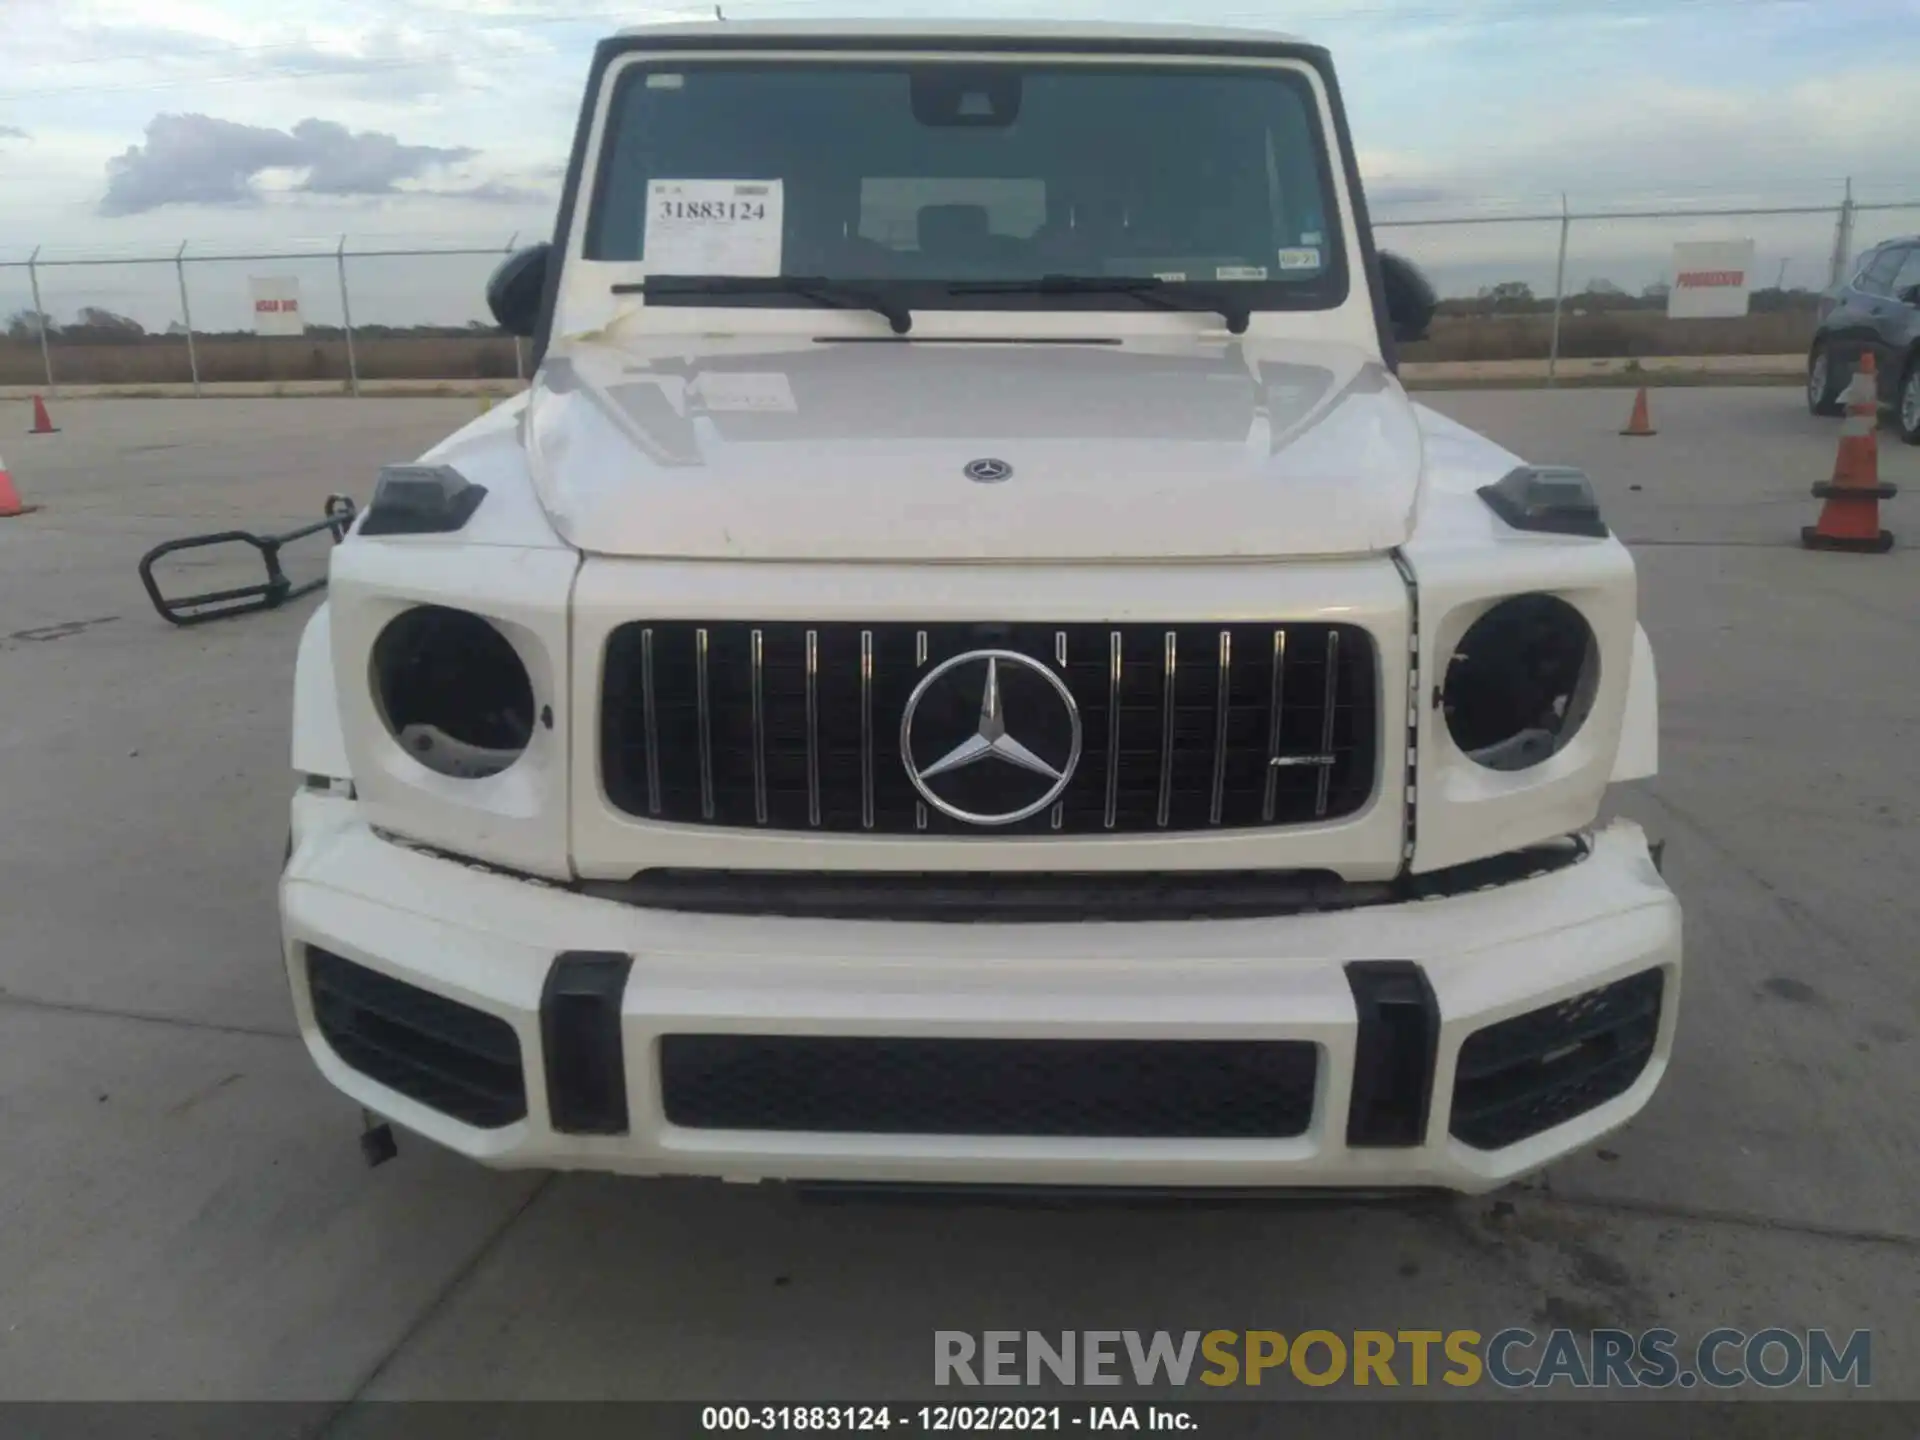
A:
965	666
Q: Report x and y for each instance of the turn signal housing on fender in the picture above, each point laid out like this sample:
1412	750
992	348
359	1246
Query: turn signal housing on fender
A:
1546	499
421	500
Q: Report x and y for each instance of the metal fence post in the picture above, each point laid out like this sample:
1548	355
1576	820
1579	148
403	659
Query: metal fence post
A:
186	316
1559	290
41	321
346	315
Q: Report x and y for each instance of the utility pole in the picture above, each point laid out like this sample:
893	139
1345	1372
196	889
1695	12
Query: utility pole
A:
1559	289
1842	239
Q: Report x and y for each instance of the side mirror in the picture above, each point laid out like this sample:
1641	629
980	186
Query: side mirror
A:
1910	295
518	286
1409	296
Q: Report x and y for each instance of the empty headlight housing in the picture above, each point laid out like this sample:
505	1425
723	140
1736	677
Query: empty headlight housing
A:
1521	682
452	691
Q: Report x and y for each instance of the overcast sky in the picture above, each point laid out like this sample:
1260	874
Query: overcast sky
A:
130	126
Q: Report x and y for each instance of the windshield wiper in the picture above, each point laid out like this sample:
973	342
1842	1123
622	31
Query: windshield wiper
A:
818	288
1168	295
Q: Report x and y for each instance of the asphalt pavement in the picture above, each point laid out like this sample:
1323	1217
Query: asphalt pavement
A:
184	1213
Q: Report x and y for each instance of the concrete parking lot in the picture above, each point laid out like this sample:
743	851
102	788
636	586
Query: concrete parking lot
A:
183	1208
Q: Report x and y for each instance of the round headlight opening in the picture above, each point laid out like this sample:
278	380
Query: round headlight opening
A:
1521	682
452	692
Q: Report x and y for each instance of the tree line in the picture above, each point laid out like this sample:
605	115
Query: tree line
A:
1516	297
94	325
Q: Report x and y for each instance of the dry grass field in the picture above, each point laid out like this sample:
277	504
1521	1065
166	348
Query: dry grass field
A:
1617	334
163	359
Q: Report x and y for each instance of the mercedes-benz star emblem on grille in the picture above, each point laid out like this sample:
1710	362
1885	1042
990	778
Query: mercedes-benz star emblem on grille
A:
989	472
989	776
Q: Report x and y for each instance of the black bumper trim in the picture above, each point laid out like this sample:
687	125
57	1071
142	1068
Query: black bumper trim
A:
580	1039
1394	1053
1004	897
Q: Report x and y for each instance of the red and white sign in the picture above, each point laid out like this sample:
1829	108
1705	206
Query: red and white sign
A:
1712	279
276	306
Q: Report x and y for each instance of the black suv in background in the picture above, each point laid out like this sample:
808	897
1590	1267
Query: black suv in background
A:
1877	310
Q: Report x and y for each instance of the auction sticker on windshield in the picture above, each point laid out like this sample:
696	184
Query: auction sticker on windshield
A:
714	227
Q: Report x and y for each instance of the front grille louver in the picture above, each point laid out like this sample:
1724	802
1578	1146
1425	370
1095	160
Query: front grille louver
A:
795	726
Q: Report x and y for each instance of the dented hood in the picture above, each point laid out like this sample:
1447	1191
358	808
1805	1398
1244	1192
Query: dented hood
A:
689	447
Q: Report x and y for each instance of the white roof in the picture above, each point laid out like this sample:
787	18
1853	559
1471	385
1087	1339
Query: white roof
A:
1065	31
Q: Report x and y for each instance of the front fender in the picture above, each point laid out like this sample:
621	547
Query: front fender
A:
1639	754
319	745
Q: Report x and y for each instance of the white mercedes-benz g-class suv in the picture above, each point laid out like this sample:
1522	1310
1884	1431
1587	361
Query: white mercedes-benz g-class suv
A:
965	666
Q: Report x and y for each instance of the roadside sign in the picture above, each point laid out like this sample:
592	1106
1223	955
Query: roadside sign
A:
276	306
1712	279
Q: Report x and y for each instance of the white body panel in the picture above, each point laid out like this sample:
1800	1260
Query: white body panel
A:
1189	448
1464	559
319	745
1639	755
487	941
518	817
1065	32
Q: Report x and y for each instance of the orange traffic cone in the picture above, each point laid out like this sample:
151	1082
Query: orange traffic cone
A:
42	422
10	498
1641	423
1850	518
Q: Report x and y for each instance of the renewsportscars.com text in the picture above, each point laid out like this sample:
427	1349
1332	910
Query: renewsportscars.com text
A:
1513	1359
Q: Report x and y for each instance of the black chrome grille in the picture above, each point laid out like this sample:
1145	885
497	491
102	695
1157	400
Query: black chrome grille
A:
797	727
1541	1069
1220	1089
451	1057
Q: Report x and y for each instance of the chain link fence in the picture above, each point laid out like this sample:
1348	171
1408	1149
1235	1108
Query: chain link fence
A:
1556	299
186	318
1531	287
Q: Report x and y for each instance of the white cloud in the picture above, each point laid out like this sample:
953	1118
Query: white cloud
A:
1460	106
1662	144
201	160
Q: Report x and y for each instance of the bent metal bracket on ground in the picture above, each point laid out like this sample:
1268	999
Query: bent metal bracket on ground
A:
270	594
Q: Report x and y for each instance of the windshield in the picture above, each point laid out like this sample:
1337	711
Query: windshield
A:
929	179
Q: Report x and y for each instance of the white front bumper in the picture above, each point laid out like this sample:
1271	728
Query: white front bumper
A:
488	940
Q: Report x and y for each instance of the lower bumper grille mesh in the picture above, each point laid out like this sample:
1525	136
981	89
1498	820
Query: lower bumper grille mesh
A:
460	1061
1541	1069
1227	1089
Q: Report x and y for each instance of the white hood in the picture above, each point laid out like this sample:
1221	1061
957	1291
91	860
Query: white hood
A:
772	449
